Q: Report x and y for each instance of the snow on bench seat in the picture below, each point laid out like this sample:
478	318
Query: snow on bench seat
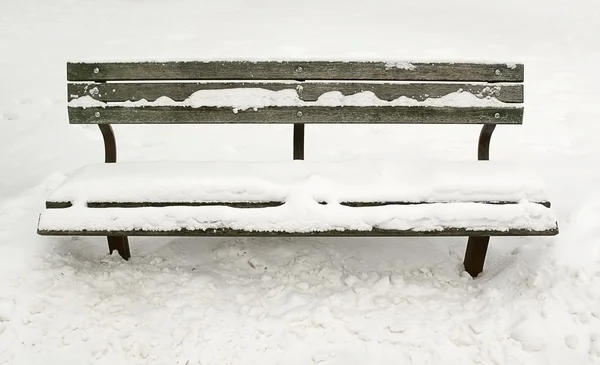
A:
456	193
303	216
359	180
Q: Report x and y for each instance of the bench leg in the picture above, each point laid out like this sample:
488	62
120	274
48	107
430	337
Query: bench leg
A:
121	244
475	255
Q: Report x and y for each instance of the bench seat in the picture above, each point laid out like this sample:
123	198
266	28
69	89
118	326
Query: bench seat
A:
300	197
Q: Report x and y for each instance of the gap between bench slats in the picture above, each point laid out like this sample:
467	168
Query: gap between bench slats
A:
295	70
308	91
60	205
297	114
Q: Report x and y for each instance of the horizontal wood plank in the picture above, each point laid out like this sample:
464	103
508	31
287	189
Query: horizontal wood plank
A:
66	204
301	114
178	91
511	93
294	70
308	91
376	232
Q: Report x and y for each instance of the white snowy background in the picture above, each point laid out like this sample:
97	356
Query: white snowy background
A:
300	301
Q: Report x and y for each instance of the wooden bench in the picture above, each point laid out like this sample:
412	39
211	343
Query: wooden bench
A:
298	198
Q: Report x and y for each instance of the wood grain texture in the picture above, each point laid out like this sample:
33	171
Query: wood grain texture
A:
308	91
508	93
303	114
292	70
226	232
178	91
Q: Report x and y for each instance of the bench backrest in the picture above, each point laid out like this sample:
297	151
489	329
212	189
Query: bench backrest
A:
116	83
294	92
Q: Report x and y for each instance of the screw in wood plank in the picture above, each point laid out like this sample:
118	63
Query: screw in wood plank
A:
497	115
96	70
497	72
97	114
299	69
299	114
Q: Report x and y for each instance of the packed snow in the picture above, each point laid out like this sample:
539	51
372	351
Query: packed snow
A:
357	180
404	65
302	186
255	98
300	300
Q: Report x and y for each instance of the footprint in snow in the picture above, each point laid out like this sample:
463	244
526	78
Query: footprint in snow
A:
572	341
24	101
322	356
10	116
528	336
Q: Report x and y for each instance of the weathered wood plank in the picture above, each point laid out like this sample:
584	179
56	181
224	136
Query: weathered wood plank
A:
178	91
66	204
301	114
226	232
508	93
308	91
294	70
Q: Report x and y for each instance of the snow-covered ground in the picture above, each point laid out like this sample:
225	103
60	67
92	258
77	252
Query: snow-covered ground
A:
300	301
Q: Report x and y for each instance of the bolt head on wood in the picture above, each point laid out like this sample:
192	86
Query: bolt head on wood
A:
497	115
299	114
96	70
97	114
497	72
299	69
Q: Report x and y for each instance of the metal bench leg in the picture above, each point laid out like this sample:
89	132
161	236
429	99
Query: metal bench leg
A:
475	255
477	245
121	244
